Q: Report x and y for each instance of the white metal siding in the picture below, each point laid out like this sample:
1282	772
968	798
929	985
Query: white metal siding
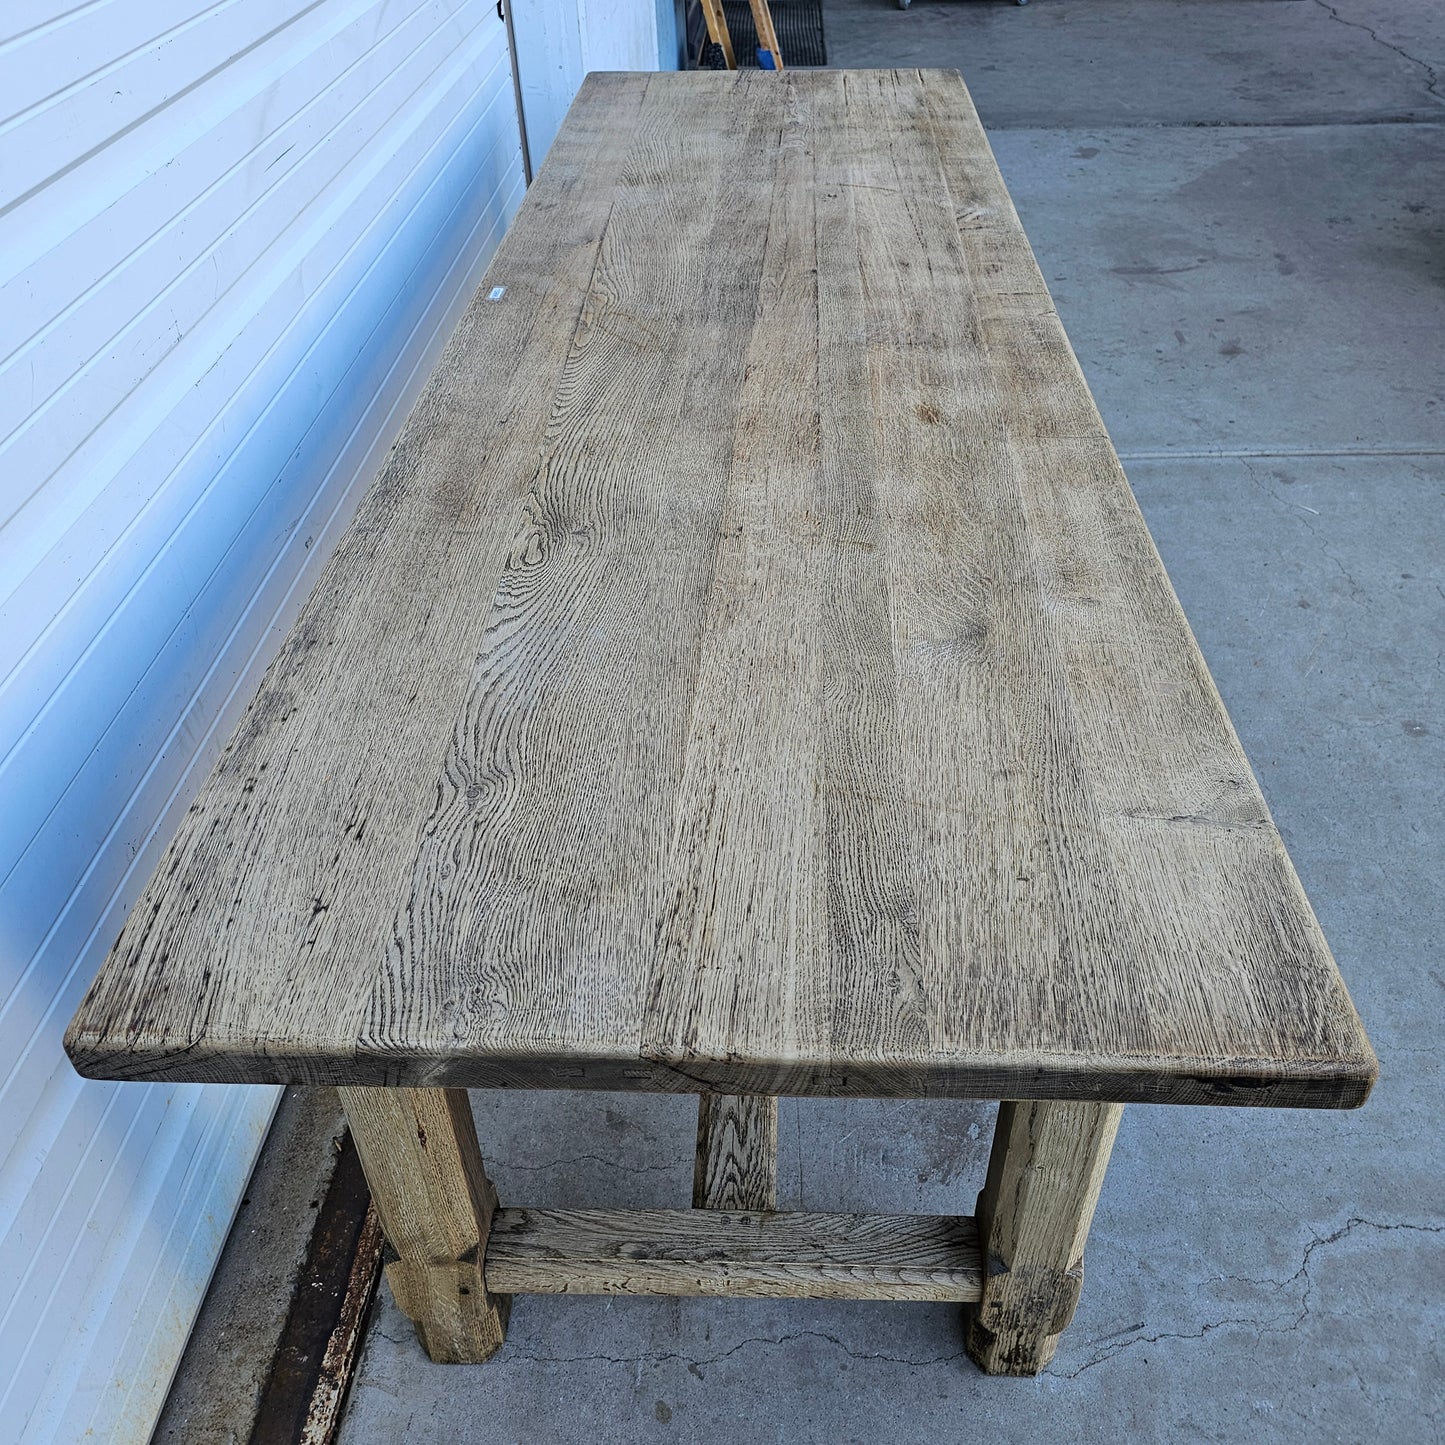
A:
233	236
559	41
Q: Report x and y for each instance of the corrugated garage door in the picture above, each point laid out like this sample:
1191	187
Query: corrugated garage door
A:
232	237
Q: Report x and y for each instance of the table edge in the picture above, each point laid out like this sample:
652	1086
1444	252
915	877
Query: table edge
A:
1342	1082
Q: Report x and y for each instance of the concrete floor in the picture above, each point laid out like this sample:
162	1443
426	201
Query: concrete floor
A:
216	1392
1240	206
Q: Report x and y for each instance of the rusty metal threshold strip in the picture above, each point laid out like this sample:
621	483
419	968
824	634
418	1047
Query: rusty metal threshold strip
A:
305	1390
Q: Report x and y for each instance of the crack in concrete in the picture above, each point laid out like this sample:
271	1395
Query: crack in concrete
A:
1432	79
406	1342
1357	592
771	1340
672	1166
1261	1327
1113	1344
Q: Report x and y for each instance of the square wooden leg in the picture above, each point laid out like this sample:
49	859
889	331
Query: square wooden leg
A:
737	1152
1034	1213
419	1150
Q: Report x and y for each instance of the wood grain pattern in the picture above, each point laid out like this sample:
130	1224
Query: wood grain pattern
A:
424	1168
767	35
707	1252
1034	1212
750	673
737	1152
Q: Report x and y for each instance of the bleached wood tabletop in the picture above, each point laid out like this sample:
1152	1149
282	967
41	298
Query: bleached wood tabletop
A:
749	673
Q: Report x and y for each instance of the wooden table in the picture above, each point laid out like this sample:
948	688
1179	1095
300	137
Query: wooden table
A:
749	675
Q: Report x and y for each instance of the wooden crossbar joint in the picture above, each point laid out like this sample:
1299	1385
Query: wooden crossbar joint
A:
456	1257
1034	1213
424	1168
734	1253
451	1307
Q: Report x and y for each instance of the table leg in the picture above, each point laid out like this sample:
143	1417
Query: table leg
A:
737	1152
1044	1177
419	1150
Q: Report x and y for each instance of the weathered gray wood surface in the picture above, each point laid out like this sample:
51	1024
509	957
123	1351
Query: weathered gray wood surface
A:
750	672
424	1168
736	1165
1034	1211
712	1252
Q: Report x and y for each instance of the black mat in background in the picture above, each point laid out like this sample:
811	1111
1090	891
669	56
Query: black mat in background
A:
799	24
